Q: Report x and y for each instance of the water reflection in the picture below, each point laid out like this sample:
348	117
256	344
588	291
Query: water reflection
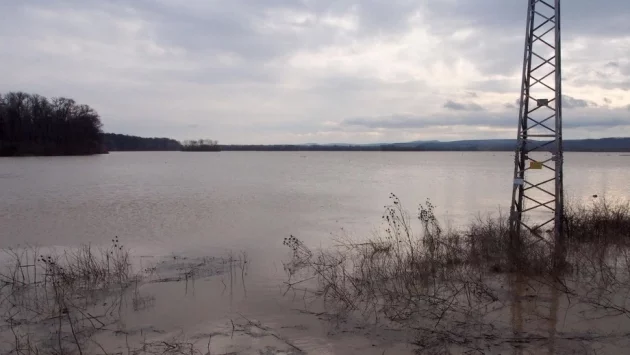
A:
533	304
553	319
517	287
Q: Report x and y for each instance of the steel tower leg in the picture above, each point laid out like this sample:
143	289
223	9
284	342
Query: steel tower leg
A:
537	196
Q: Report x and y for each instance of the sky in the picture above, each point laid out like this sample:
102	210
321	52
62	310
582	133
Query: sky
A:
313	71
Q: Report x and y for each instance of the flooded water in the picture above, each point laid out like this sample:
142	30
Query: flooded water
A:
172	205
174	202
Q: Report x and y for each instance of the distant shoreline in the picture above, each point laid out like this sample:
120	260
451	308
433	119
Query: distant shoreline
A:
226	149
621	153
608	145
602	145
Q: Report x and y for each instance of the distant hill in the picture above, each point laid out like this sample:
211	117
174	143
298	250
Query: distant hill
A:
580	145
464	145
121	142
598	145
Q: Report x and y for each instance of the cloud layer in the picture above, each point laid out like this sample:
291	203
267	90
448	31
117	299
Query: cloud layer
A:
287	71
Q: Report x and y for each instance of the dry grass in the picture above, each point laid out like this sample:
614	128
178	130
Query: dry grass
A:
397	275
443	282
603	222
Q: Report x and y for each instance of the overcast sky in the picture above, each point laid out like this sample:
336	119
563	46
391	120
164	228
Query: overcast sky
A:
301	71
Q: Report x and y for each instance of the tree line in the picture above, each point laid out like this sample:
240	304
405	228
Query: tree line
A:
123	142
31	124
126	143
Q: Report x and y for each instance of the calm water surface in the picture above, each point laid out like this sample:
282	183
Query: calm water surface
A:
173	202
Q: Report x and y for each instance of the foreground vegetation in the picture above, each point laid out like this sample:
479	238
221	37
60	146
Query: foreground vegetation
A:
34	125
450	290
453	288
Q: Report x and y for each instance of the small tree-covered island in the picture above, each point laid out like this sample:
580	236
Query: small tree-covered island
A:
202	145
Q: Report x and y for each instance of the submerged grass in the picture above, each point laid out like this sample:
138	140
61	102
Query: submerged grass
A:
445	283
73	301
53	303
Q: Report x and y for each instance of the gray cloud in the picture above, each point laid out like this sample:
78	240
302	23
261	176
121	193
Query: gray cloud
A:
579	16
509	105
496	42
459	106
590	122
400	121
571	102
604	84
609	118
568	102
609	75
496	85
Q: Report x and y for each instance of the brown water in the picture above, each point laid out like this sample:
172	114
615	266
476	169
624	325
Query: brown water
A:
194	205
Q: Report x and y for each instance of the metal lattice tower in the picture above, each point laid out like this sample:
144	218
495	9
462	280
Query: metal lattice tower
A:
537	195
